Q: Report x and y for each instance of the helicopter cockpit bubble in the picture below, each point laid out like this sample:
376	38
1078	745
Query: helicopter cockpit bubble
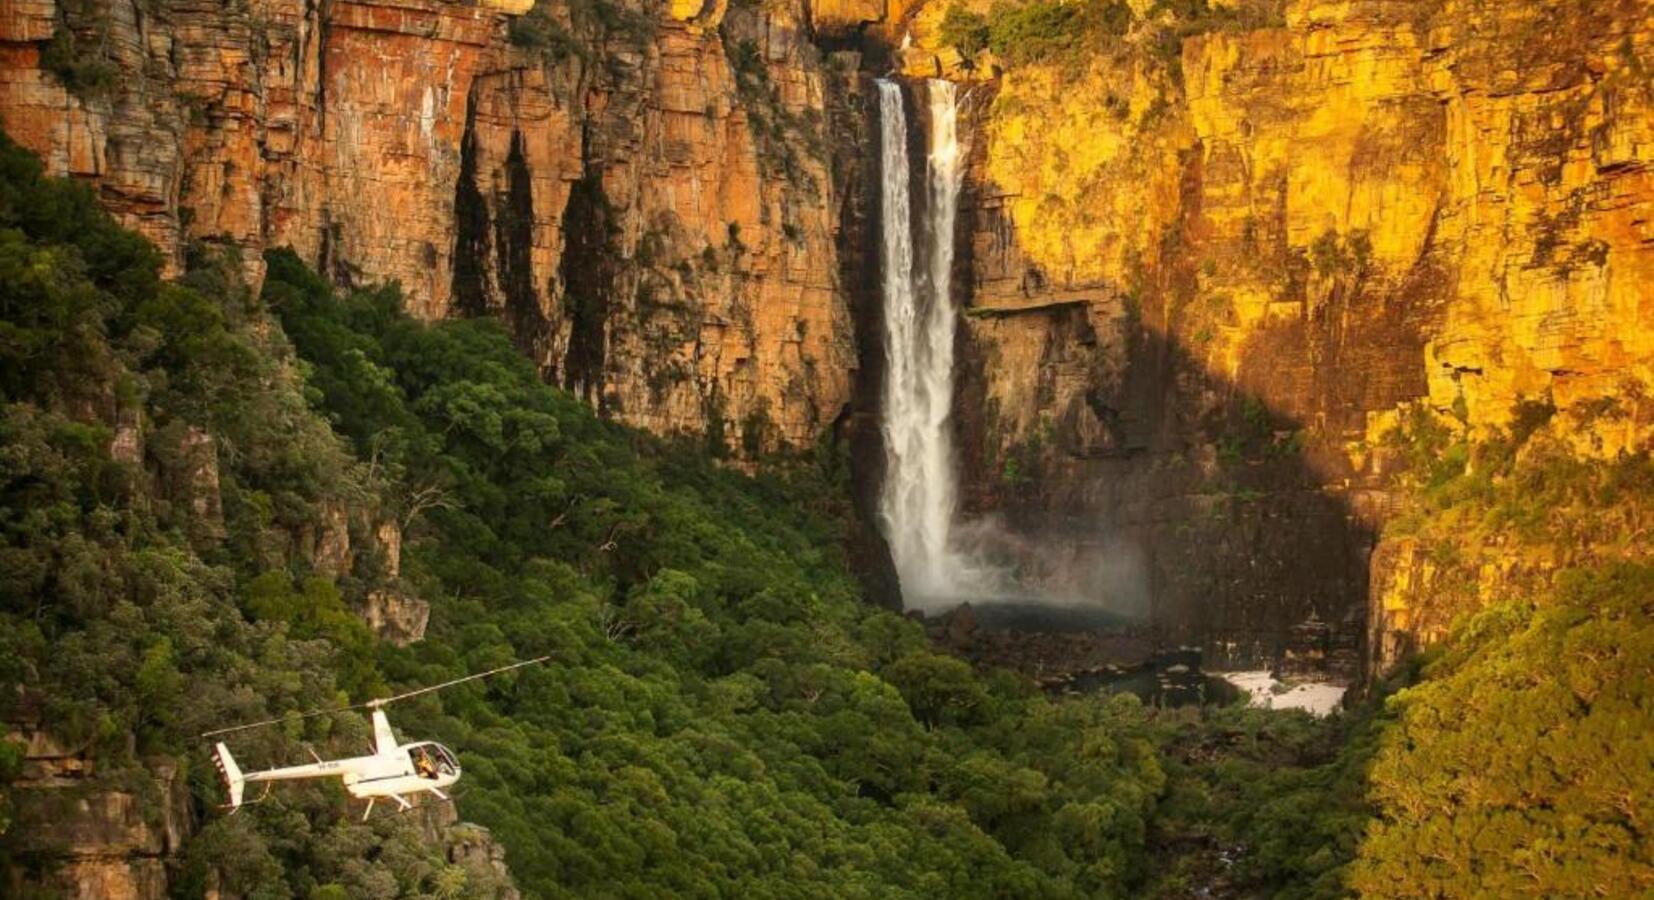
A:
433	761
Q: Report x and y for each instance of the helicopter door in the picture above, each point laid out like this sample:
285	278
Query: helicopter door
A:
425	762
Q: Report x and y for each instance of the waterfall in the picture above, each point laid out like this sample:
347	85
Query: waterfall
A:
918	498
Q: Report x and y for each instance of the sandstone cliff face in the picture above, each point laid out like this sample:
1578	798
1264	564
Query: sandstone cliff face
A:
1202	286
651	218
683	221
93	836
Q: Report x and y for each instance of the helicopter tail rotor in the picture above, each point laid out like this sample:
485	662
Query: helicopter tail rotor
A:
234	782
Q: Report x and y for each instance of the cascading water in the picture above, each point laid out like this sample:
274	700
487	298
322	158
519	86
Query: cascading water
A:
917	504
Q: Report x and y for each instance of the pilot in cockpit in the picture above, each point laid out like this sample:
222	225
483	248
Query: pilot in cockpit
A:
423	763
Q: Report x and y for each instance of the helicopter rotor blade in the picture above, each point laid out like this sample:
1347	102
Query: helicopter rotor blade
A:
290	717
372	704
386	701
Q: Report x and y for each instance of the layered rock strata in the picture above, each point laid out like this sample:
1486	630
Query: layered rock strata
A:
640	193
83	836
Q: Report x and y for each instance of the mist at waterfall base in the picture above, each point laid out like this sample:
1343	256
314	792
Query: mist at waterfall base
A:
1049	582
941	560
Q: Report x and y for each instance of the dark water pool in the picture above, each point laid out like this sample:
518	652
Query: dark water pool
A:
1171	678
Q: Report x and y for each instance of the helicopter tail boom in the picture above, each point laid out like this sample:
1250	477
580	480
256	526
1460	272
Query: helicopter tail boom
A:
234	782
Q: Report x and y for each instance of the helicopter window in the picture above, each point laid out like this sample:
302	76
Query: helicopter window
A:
424	762
446	763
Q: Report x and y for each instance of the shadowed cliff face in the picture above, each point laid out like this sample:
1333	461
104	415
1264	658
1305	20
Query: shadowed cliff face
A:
1171	496
588	280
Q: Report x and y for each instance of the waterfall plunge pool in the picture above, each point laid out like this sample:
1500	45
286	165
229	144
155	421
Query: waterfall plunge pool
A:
1175	678
1078	649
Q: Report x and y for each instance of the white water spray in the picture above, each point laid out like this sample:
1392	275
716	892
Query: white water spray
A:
918	499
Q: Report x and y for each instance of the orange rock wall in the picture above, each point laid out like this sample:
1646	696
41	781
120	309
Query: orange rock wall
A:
1203	285
340	130
1501	152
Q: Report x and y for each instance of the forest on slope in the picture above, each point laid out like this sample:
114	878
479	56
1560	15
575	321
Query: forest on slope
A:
722	713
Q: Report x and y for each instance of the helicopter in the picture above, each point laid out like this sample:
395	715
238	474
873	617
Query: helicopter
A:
392	771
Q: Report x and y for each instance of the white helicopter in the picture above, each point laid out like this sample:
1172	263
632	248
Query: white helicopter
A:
393	770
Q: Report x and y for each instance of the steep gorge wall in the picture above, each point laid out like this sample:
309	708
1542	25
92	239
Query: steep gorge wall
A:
417	141
1200	285
1204	285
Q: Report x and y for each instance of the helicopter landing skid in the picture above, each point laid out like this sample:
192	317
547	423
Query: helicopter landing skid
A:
404	806
407	806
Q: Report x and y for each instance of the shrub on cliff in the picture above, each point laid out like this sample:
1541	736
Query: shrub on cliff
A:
1521	763
1037	32
964	31
537	30
1032	32
84	72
